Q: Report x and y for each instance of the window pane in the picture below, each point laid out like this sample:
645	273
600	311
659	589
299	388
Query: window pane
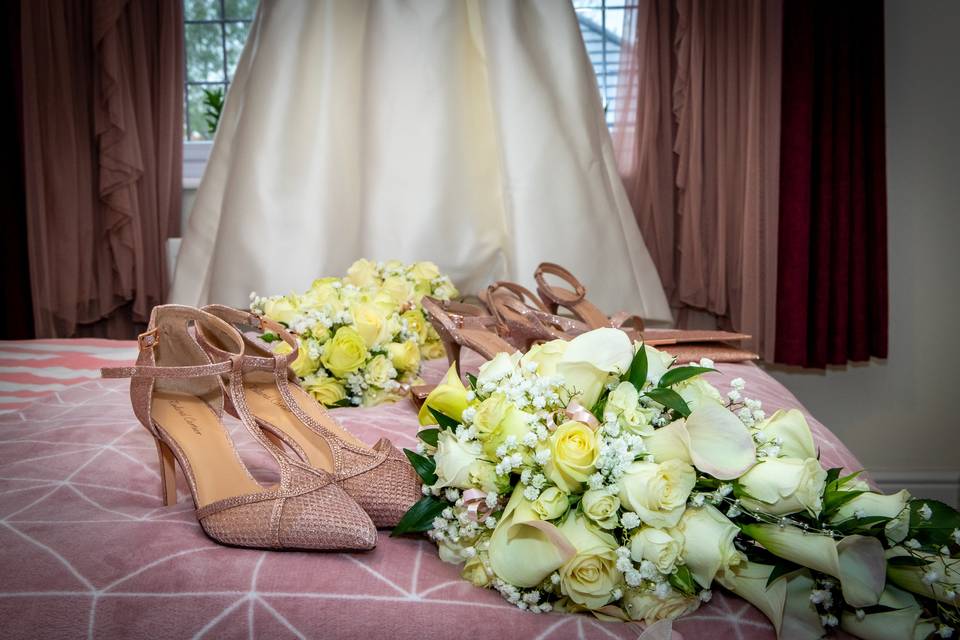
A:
236	36
204	52
243	9
197	126
201	9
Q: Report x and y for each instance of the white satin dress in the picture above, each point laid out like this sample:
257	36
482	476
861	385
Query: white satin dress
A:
466	132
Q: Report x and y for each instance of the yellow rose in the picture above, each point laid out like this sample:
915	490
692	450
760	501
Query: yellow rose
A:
475	573
416	324
374	396
573	454
649	607
455	459
601	506
304	365
709	544
320	333
345	353
546	356
379	371
322	293
781	486
404	355
443	291
659	546
371	323
326	390
432	350
589	577
362	273
399	289
424	271
657	492
449	398
551	504
498	418
281	309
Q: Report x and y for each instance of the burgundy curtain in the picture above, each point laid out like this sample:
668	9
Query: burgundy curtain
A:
103	132
832	269
697	142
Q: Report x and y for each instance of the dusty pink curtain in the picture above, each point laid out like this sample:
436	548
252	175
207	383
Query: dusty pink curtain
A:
102	125
697	138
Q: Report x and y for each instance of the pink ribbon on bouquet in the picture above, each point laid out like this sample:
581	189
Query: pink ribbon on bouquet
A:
476	503
578	412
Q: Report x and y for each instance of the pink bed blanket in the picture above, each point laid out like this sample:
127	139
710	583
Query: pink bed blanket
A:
87	550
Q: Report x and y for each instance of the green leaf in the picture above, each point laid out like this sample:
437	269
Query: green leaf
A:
780	569
269	337
429	436
832	476
637	373
679	374
345	402
907	561
669	398
860	525
472	379
845	479
445	421
420	516
833	500
425	467
682	580
937	529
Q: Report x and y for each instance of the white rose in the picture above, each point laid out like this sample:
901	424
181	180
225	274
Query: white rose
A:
282	310
624	401
697	392
657	492
709	548
659	546
657	364
492	371
876	504
601	506
551	504
362	273
455	459
649	607
781	486
590	576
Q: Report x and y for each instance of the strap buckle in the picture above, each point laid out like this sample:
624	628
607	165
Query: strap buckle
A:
148	339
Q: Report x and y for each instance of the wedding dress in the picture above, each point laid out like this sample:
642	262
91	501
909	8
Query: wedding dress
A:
466	132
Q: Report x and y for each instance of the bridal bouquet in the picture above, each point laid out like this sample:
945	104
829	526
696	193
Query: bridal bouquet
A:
361	337
595	475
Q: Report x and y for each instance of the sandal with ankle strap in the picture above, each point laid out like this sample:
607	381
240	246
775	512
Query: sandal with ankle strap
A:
523	317
379	478
177	394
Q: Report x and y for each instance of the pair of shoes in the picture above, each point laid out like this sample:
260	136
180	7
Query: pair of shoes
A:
334	491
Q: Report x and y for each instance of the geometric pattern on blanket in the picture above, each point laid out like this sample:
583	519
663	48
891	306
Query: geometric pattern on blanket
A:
87	550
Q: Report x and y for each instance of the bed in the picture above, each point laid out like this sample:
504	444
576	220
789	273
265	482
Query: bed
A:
87	550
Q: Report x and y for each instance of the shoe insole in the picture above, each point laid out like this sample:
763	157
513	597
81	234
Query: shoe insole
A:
266	403
195	427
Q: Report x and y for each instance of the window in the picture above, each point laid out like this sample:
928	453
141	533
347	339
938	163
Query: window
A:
601	23
214	34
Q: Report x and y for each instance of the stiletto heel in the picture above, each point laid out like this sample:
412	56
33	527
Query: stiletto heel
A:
452	349
176	393
168	473
379	478
476	332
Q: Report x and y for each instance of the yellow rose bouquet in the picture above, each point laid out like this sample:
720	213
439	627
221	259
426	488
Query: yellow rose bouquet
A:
597	475
362	337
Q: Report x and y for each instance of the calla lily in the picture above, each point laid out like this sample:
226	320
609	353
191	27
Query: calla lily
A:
712	439
449	398
606	349
501	366
584	380
911	578
876	504
902	623
546	356
796	439
781	486
856	561
786	602
524	550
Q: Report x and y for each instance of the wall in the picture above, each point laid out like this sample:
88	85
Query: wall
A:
902	416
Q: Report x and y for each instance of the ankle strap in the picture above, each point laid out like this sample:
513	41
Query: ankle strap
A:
261	323
150	371
559	296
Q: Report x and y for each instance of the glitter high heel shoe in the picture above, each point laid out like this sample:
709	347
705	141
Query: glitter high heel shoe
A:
379	478
176	392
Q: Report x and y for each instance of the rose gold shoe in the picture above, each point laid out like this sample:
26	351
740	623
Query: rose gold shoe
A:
478	333
524	318
576	302
175	390
379	478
